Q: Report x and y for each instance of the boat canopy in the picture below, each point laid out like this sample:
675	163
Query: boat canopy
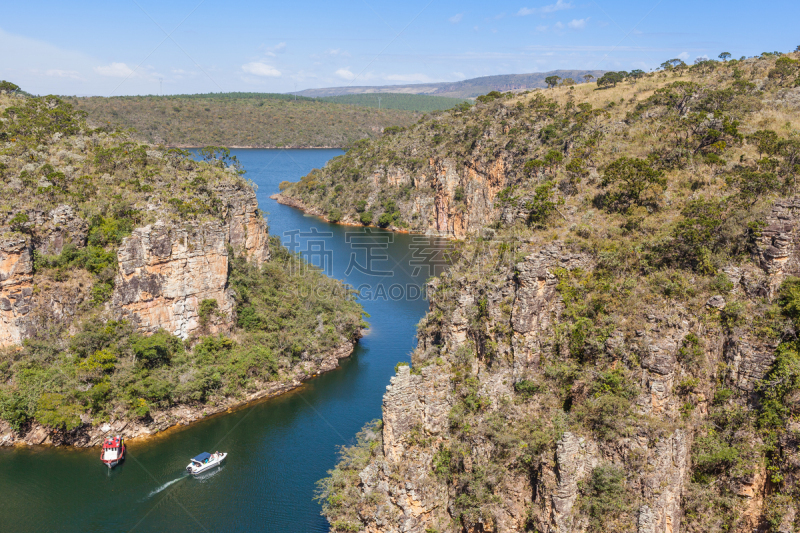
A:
202	457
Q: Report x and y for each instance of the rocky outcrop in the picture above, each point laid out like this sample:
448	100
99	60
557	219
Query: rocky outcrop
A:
417	404
776	248
59	227
165	272
16	288
248	233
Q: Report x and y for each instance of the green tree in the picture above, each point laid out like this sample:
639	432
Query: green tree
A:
605	496
725	56
632	182
753	185
785	68
552	81
698	234
533	166
588	77
671	64
553	159
18	222
488	97
610	79
55	411
542	206
767	142
8	86
157	349
335	215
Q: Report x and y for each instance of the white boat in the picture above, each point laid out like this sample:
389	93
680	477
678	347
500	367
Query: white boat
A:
205	461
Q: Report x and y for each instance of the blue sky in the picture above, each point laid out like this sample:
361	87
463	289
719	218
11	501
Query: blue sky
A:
136	47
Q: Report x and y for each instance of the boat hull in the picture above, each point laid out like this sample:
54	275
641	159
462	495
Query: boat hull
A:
195	469
111	463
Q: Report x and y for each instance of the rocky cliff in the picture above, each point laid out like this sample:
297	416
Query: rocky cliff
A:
614	347
139	288
16	289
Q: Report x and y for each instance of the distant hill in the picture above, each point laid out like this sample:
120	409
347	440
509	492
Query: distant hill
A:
460	89
407	102
259	120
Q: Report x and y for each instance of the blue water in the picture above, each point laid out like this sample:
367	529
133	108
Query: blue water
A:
277	449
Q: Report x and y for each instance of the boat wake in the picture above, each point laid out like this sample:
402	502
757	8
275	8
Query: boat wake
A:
164	486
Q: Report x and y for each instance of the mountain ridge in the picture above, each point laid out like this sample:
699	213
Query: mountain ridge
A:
469	88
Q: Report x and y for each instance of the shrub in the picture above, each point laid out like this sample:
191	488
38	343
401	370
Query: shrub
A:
632	182
384	220
488	97
18	221
55	411
542	206
698	234
97	364
366	218
691	353
605	499
14	409
157	349
335	215
109	230
8	86
526	388
712	456
208	308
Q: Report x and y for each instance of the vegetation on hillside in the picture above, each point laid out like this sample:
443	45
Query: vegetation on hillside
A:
422	103
90	363
663	181
241	119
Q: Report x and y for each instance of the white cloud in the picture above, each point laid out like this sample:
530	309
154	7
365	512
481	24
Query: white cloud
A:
409	78
551	8
683	55
337	52
272	51
345	74
577	24
115	70
58	73
541	28
455	19
558	26
261	69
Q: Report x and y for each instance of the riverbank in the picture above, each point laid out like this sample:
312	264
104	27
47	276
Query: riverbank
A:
258	147
346	221
92	434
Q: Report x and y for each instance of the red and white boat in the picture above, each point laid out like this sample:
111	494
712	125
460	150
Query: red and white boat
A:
113	451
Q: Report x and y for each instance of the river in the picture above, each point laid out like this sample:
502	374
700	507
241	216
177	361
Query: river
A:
278	448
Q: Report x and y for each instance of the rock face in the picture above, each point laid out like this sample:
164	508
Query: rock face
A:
16	289
165	272
247	231
61	226
777	246
417	408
